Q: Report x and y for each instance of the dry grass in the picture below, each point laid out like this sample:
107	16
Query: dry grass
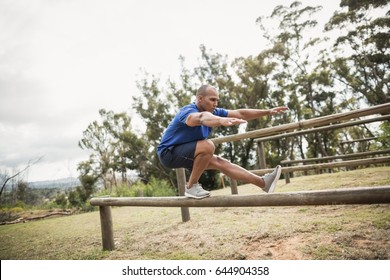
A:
311	232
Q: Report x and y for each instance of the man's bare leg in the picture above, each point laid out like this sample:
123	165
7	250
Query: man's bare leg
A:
204	152
234	171
204	159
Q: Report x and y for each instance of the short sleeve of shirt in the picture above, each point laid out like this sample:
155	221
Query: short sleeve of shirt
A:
185	112
220	112
178	132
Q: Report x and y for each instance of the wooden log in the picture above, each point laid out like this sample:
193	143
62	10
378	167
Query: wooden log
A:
233	186
106	227
181	181
346	163
323	128
315	122
358	140
363	195
39	217
346	156
260	147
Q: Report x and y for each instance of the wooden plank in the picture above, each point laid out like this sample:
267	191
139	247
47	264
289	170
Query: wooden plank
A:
346	163
322	128
359	140
363	195
181	182
106	227
262	163
346	156
315	122
233	186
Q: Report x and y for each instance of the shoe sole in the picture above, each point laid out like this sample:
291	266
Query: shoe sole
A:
196	197
273	185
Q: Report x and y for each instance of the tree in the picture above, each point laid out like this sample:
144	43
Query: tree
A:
97	139
156	108
128	148
301	75
114	147
21	191
88	177
365	27
254	90
384	137
5	178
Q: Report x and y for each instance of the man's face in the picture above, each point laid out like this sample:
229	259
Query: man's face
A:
209	102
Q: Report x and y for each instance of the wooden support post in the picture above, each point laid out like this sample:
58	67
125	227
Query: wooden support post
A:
107	230
287	177
260	147
181	183
233	186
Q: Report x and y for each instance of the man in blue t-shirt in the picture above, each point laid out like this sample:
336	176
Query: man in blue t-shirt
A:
185	144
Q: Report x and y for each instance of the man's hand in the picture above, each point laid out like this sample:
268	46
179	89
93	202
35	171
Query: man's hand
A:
231	121
278	110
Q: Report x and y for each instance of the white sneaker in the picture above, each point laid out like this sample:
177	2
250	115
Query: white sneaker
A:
196	191
271	179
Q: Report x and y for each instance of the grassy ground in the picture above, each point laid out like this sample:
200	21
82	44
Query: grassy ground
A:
309	232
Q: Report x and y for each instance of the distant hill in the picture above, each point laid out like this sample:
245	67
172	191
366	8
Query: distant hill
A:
55	184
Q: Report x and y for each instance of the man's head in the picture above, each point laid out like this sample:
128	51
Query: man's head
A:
207	98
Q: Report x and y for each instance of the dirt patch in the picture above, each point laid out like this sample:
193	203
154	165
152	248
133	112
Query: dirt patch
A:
267	248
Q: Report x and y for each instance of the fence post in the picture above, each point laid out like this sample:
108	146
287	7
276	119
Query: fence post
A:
106	225
287	177
260	147
181	184
233	186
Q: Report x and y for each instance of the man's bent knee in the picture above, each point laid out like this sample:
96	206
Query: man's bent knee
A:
205	146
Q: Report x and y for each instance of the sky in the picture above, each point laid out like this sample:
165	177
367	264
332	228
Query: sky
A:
63	60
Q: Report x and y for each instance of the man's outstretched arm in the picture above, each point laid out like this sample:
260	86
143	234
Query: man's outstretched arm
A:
208	119
251	114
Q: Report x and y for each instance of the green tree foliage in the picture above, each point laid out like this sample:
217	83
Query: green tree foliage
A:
156	107
363	50
384	136
300	74
61	200
114	148
88	177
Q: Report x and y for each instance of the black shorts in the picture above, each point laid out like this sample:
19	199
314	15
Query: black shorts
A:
180	156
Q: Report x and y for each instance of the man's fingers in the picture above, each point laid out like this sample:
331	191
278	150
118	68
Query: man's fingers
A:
277	110
234	121
240	121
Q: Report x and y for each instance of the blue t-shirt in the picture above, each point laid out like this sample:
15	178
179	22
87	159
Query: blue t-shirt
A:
178	132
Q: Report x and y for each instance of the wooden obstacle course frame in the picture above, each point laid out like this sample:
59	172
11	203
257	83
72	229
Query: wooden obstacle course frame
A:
319	161
324	197
310	123
344	156
363	195
327	165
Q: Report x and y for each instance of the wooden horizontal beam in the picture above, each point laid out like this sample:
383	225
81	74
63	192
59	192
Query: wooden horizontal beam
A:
326	165
315	122
359	140
364	195
345	156
322	128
